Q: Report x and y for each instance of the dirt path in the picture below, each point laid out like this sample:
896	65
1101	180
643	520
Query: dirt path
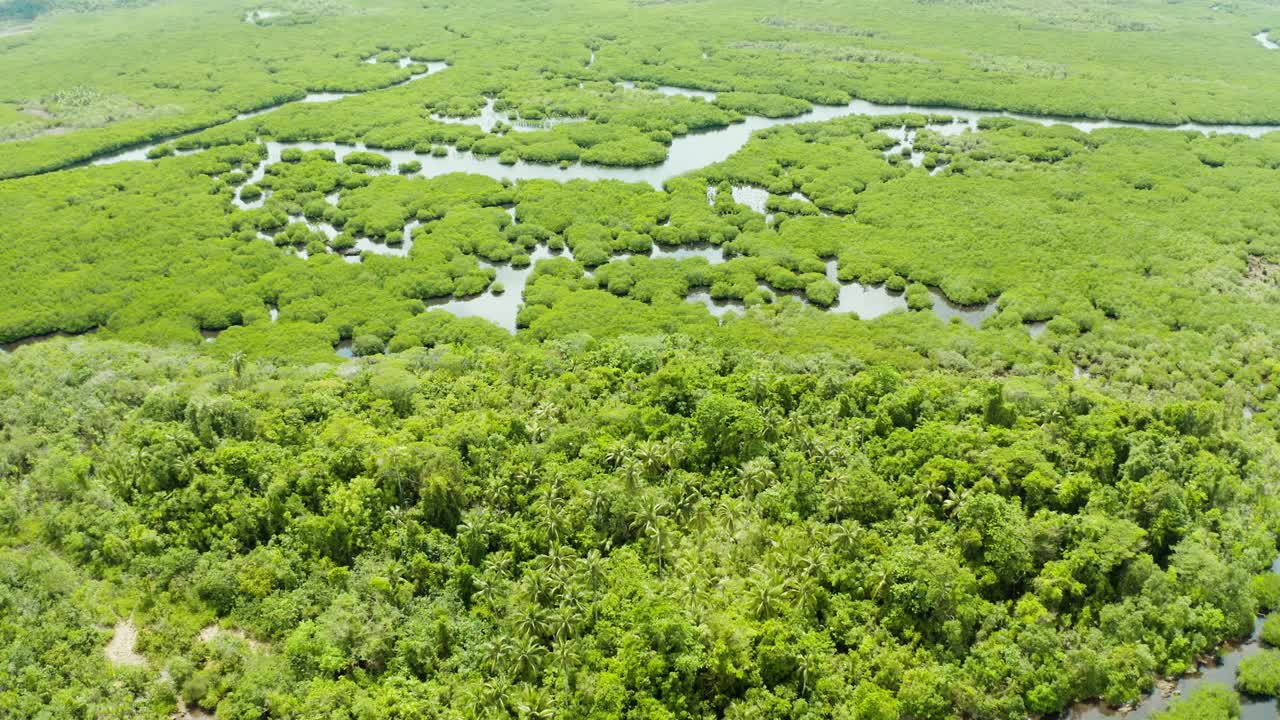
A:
120	651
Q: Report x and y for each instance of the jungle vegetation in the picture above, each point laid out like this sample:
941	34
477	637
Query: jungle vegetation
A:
631	507
639	527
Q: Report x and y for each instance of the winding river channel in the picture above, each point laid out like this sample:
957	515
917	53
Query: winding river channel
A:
686	154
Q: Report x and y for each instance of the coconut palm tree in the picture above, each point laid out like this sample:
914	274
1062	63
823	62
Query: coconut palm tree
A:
661	535
732	513
916	523
566	657
556	560
472	535
393	466
536	428
592	568
672	451
632	470
804	592
500	564
487	589
532	703
879	578
618	453
693	595
597	505
755	475
844	536
546	411
933	493
956	499
649	455
523	475
825	455
805	663
188	466
496	652
765	590
494	693
551	522
237	362
529	621
648	516
564	622
526	657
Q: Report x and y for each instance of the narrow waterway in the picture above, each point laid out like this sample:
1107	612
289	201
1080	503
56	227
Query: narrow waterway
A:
689	152
139	153
867	301
490	117
1223	672
16	344
686	154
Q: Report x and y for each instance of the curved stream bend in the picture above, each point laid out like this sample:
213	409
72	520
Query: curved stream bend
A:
690	152
686	154
140	152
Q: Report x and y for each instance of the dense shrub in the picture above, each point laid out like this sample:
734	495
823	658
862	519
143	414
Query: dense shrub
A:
1260	674
1211	702
367	159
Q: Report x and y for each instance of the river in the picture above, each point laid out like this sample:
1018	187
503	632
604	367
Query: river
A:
1224	672
139	152
868	301
687	153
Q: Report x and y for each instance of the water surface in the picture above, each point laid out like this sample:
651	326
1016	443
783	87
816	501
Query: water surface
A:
13	346
1224	672
140	153
671	91
490	117
687	153
697	150
499	308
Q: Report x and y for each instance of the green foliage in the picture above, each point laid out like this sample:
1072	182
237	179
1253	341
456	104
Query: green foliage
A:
1260	674
918	297
630	513
632	507
1266	590
367	159
1211	702
54	664
1271	630
218	65
762	104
